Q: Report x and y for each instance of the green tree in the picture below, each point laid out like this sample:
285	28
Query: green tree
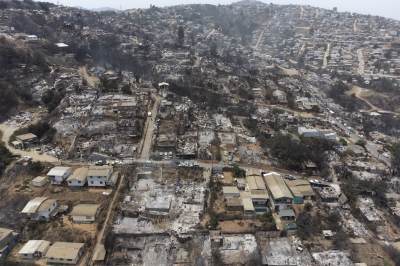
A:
126	89
361	143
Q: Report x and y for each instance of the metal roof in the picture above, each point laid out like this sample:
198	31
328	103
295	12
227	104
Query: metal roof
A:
58	171
276	186
103	170
46	204
79	174
39	179
64	250
255	182
33	205
34	245
4	232
99	253
85	210
26	136
293	188
286	213
230	190
247	204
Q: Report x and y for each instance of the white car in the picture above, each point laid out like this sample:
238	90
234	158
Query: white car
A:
361	136
27	158
385	155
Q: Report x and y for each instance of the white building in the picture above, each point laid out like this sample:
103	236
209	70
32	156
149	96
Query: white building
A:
308	132
279	95
99	176
40	209
34	249
31	38
327	134
58	174
78	177
65	252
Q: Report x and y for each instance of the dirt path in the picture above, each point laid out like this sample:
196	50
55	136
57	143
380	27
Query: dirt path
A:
300	54
149	130
8	131
257	46
208	36
328	48
301	12
92	81
355	25
317	14
358	92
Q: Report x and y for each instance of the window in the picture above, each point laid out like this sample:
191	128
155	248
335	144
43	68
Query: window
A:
70	182
287	205
91	182
79	182
69	259
88	217
101	182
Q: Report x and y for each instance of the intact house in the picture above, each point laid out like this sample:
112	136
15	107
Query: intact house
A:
58	174
8	239
101	176
280	196
308	132
26	139
65	252
258	192
85	213
40	209
307	118
34	249
78	177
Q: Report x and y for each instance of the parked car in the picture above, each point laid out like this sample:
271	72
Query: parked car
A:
290	177
385	155
314	182
27	158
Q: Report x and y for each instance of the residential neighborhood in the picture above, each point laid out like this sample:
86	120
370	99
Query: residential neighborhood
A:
244	134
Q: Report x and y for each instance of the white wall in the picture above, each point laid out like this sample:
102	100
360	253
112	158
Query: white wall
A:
75	183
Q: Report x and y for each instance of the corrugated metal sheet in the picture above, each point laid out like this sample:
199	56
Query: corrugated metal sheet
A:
58	171
85	210
33	205
276	186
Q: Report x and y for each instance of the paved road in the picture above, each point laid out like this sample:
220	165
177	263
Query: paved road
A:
149	129
370	145
328	49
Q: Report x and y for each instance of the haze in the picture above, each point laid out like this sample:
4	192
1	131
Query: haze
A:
385	8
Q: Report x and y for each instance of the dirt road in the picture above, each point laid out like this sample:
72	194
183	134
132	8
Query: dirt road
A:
355	25
149	130
92	81
257	46
301	12
208	36
8	131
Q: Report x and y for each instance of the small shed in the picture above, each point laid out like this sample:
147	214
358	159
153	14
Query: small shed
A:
39	181
234	204
327	233
287	214
230	192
